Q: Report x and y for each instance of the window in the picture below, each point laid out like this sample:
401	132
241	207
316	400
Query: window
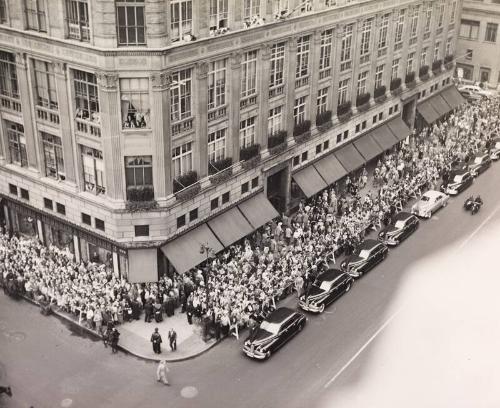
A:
244	188
141	230
453	11
225	197
484	76
251	9
382	33
414	22
3	12
255	182
346	48
135	102
217	145
181	16
366	30
339	138
441	7
249	73
343	91
409	62
218	14
322	101
45	84
17	144
217	84
180	95
423	57
8	75
395	68
35	15
48	204
12	189
181	221
380	115
449	46
130	18
247	132
325	52
469	29
302	68
374	119
436	50
61	209
491	32
139	171
400	27
86	219
303	157
346	134
280	7
182	159
363	125
428	17
299	110
326	145
379	75
25	194
275	120
390	110
53	155
277	68
468	55
77	12
396	107
193	214
362	77
318	148
358	128
214	203
93	170
296	161
99	224
86	96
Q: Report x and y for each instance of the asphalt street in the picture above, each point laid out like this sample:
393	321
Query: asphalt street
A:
421	329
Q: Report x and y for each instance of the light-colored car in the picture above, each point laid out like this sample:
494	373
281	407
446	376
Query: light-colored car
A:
430	202
495	149
477	90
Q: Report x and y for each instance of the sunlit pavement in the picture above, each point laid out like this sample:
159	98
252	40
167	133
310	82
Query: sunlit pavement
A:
420	330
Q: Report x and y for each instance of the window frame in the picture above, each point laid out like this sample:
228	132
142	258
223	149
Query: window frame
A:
217	145
249	73
217	81
182	159
182	24
181	95
93	175
130	27
300	109
16	143
248	131
277	65
78	20
45	83
302	57
53	156
36	18
136	166
136	90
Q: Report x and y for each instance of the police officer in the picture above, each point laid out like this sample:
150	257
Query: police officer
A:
156	340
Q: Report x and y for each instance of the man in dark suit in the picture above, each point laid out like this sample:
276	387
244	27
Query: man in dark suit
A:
156	340
172	338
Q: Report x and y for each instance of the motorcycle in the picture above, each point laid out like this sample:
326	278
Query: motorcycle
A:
468	203
473	204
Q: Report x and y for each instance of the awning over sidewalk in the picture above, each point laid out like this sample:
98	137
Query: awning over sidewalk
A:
384	137
367	146
230	226
309	181
440	105
350	158
142	265
399	128
453	97
330	169
428	112
184	252
258	210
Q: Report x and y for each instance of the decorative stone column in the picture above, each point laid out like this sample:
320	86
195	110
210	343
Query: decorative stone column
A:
29	128
234	104
336	48
290	87
104	23
160	128
406	42
156	23
201	117
355	63
109	102
314	76
201	19
65	118
373	56
390	51
263	77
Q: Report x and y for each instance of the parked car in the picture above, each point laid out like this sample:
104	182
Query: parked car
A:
368	254
274	331
479	164
458	181
327	288
477	90
495	149
470	96
402	225
429	202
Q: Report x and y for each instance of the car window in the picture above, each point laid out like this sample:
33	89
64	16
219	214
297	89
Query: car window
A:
364	253
326	285
270	327
399	224
458	178
478	160
424	198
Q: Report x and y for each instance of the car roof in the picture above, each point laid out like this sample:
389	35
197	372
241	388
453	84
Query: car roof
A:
432	193
368	244
329	275
280	315
458	172
402	216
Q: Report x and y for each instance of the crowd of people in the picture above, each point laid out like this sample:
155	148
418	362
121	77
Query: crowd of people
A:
242	284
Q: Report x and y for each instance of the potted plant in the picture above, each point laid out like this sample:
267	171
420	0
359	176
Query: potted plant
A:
436	66
140	199
324	120
410	79
186	186
395	86
276	142
423	72
448	61
220	170
301	131
249	155
344	111
363	101
379	94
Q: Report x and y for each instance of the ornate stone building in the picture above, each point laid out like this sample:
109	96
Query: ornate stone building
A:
132	131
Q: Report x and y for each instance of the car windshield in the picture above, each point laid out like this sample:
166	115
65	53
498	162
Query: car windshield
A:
458	178
478	160
273	328
425	198
326	285
497	145
399	224
364	253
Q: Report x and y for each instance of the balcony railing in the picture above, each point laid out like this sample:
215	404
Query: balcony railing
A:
10	103
182	126
47	115
87	127
79	31
300	82
217	113
325	73
248	101
398	46
382	51
276	91
345	65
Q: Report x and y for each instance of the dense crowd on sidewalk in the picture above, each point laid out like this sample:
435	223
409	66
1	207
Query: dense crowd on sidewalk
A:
245	280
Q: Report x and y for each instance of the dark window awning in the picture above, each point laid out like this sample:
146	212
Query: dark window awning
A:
399	128
453	97
184	252
258	210
309	181
428	112
350	158
330	169
439	105
367	146
384	137
142	265
230	226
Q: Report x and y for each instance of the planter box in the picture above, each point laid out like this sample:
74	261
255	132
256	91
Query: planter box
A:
248	164
436	71
364	107
221	176
449	65
188	192
380	99
324	126
424	77
345	116
136	206
397	91
411	85
277	149
303	137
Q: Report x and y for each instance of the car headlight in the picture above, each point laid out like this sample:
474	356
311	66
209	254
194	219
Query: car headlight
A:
381	234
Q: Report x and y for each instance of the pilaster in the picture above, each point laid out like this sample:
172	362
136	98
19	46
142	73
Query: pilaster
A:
104	23
314	75
390	50
355	63
337	39
202	119
156	23
263	77
234	104
373	56
290	85
200	19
